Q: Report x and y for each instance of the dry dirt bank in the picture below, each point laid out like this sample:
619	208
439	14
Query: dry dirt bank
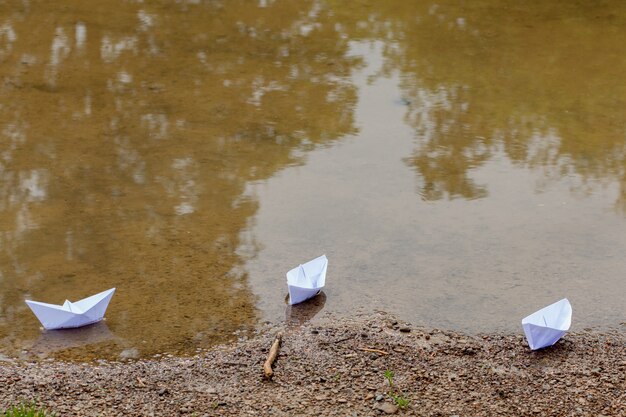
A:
325	369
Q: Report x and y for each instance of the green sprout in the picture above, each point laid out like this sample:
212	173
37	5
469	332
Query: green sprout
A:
398	399
26	410
389	375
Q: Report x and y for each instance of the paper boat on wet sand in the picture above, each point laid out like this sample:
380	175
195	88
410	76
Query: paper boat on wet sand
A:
307	280
545	327
86	311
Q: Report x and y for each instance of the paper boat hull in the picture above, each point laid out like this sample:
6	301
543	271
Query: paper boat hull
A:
298	294
545	327
87	311
539	337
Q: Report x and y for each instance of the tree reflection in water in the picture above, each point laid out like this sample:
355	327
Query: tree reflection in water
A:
130	132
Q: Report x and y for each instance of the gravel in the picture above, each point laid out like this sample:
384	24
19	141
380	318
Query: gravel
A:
337	368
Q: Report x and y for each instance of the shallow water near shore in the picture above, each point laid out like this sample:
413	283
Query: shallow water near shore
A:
460	166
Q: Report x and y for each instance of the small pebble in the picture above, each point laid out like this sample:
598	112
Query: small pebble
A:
387	408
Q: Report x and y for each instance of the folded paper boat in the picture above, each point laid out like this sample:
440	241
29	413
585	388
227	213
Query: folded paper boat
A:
545	327
306	280
81	313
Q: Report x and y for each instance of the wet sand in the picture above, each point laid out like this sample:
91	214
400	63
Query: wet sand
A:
337	367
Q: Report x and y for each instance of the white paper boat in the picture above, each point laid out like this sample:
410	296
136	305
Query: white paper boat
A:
545	327
86	311
305	281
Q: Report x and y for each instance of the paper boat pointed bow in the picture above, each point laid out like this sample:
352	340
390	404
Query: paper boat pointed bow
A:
69	315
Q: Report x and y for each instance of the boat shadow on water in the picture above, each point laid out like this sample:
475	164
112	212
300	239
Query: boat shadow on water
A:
51	341
301	313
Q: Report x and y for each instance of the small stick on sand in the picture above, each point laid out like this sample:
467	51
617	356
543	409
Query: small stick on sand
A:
380	352
271	357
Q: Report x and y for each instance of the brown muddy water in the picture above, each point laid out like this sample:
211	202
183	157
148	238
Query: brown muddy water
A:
460	166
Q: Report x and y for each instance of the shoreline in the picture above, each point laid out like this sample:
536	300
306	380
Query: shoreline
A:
338	367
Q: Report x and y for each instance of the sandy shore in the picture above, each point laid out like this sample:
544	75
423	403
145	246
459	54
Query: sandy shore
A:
334	368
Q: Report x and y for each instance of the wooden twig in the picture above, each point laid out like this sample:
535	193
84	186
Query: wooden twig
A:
234	364
380	352
271	357
337	341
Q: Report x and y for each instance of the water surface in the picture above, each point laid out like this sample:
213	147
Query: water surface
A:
459	165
